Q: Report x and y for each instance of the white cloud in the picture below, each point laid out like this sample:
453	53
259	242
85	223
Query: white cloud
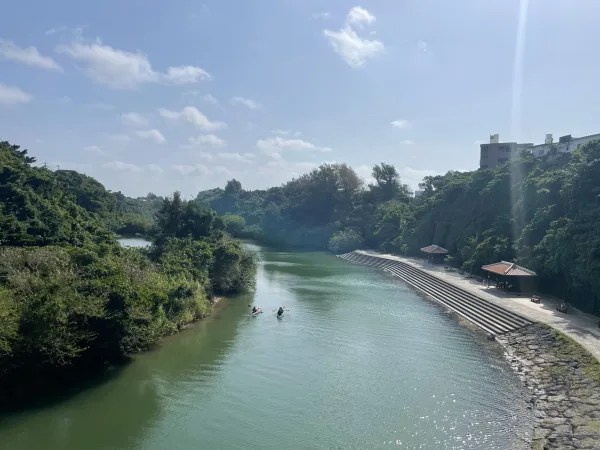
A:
246	102
249	155
407	142
133	119
205	155
191	115
153	135
235	157
52	31
208	98
11	95
120	69
413	177
286	132
359	16
94	149
352	48
322	15
190	170
186	75
366	173
220	170
401	123
274	145
65	99
153	168
423	46
123	166
29	56
207	140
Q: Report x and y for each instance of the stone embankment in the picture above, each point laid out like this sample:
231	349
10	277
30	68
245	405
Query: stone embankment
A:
563	378
563	382
491	318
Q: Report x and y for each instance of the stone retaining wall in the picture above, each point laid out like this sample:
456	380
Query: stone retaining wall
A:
565	401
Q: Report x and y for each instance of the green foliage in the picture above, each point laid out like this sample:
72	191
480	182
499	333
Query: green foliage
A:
71	296
540	212
234	224
35	209
344	241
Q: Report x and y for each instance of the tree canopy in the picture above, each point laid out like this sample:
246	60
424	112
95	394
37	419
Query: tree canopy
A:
540	212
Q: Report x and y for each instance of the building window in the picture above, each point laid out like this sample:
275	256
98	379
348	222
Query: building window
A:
484	166
502	160
484	152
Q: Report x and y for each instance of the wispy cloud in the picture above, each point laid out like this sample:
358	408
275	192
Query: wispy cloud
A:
359	16
401	123
235	157
26	55
322	15
209	98
153	135
119	138
133	119
94	149
123	166
11	95
191	115
52	31
186	75
121	69
354	49
273	146
190	170
286	132
246	102
407	142
207	140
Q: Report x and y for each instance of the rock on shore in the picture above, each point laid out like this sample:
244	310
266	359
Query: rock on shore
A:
565	401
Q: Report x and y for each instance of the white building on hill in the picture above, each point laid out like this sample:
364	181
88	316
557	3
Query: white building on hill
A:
565	144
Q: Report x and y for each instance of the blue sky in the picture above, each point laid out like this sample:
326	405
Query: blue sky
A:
159	96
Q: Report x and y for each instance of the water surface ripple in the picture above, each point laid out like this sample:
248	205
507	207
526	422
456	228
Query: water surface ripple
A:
359	362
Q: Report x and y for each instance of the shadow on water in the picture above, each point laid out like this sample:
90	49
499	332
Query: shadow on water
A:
117	409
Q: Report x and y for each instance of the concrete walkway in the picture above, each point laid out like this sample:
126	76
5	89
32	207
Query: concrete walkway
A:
581	327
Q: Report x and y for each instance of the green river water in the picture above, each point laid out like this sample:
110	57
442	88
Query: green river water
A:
359	362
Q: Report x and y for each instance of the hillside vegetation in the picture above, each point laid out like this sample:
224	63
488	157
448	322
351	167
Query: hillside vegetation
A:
541	213
71	298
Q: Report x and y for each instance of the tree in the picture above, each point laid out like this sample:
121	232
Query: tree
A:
234	224
233	186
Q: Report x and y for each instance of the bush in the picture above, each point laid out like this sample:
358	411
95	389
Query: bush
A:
345	241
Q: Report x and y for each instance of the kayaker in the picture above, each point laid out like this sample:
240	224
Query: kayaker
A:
280	312
254	309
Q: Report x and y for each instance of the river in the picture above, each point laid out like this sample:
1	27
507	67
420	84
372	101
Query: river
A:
359	362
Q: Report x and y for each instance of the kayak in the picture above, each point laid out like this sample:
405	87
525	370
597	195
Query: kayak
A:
258	311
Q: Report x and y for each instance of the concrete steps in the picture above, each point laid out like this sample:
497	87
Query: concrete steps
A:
488	316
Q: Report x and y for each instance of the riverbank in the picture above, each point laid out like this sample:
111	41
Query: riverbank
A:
565	385
579	326
561	374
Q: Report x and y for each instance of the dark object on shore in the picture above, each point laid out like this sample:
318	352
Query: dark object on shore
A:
562	308
491	337
536	299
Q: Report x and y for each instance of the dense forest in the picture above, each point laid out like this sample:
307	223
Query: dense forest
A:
541	213
72	298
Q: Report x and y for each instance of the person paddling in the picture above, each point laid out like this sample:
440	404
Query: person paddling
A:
280	311
254	309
